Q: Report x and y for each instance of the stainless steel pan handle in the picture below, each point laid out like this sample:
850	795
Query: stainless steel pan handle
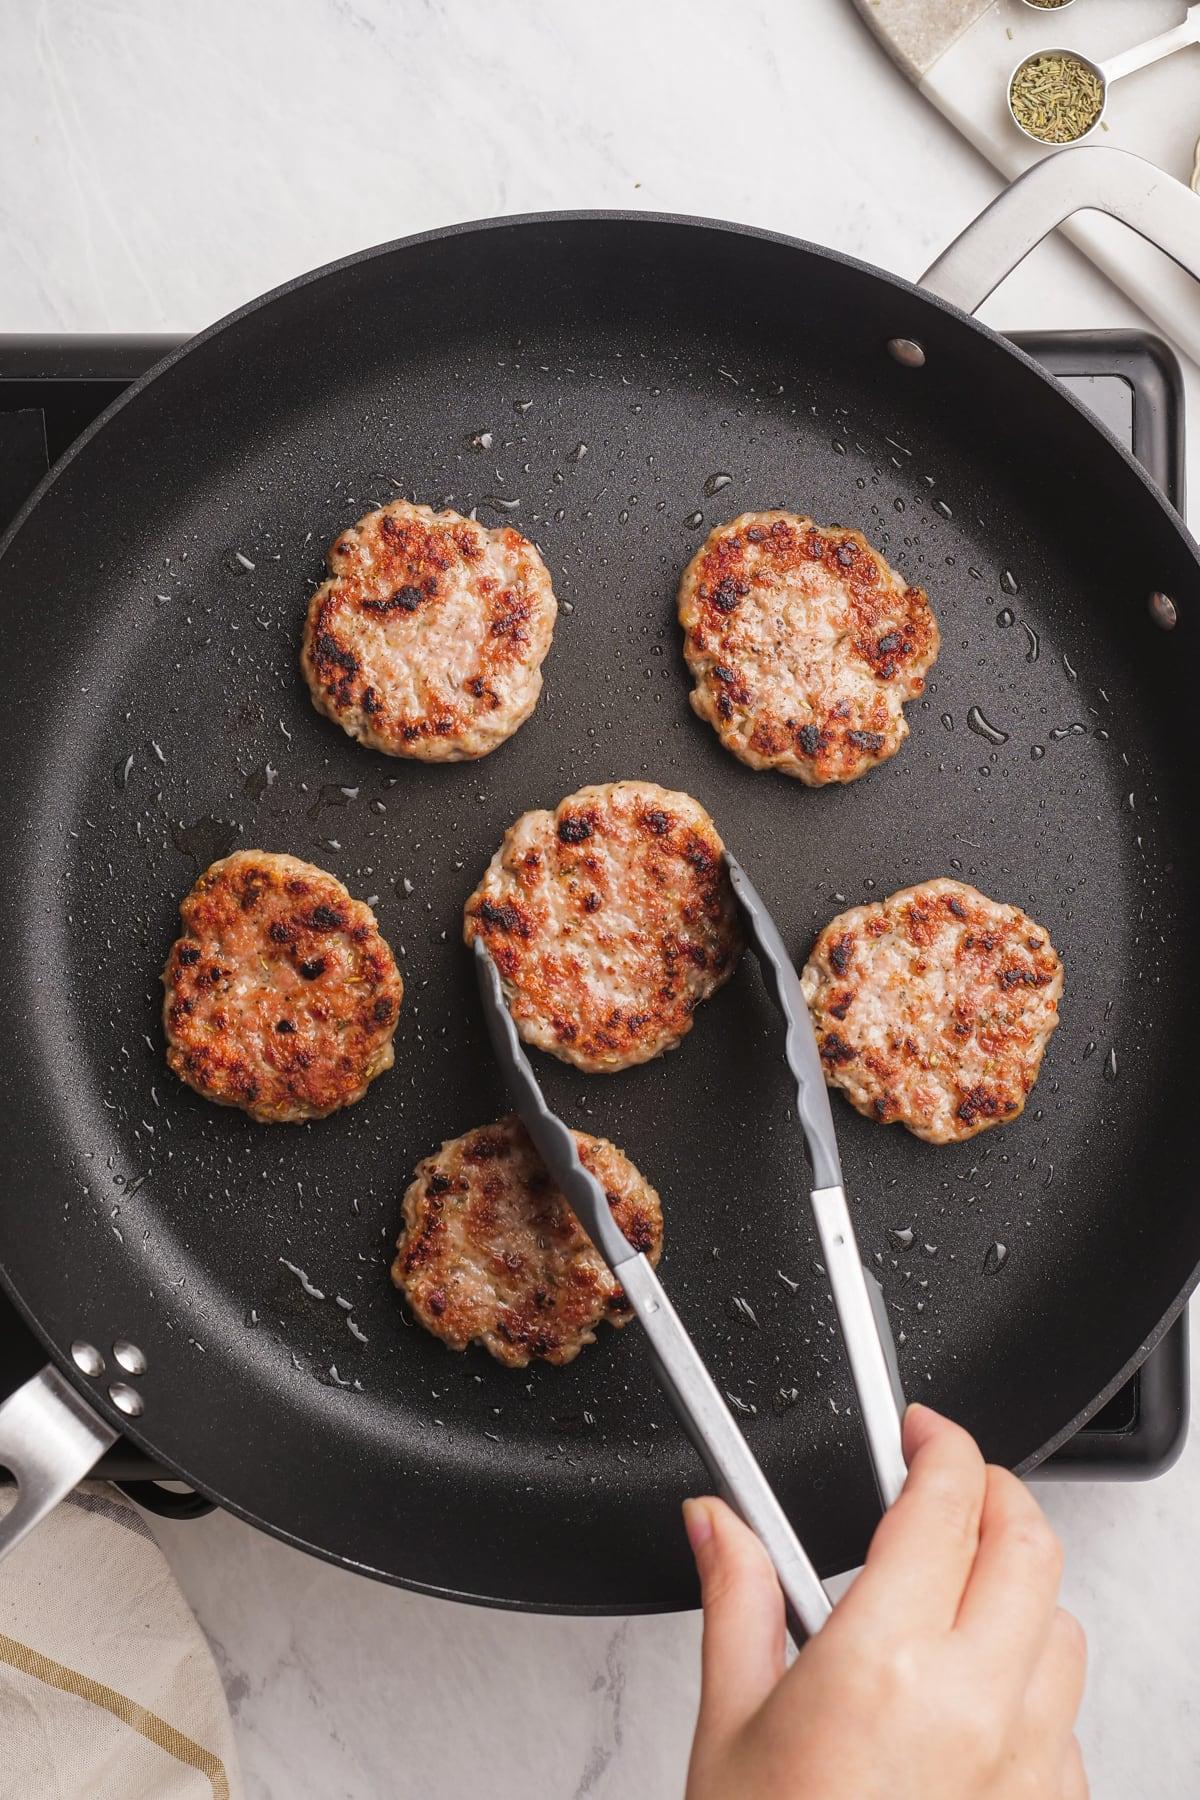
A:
1092	176
49	1439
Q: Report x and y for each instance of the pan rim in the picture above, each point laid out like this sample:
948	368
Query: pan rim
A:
597	217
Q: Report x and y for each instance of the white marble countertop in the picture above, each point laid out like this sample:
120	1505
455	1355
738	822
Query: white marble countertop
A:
164	162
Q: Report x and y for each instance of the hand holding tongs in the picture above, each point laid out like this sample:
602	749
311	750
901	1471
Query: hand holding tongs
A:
687	1383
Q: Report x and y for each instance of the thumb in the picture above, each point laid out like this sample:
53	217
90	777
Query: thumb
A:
743	1653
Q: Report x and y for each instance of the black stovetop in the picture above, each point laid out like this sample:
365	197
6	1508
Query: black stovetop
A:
52	387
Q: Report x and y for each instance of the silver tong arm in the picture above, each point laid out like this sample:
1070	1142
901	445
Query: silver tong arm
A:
867	1335
710	1425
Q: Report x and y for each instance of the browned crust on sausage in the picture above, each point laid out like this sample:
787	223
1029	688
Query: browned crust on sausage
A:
428	638
609	920
804	645
933	1008
281	996
492	1254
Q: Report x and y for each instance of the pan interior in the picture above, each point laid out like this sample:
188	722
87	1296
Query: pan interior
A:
614	389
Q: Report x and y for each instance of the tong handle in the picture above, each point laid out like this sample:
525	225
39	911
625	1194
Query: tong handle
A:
867	1336
710	1426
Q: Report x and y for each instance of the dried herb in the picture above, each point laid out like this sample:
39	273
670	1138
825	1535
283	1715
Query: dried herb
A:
1056	98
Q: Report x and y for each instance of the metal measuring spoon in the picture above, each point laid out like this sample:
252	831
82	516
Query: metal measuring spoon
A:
1113	68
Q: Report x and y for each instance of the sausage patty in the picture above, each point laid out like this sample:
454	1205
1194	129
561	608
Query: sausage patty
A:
492	1254
610	920
281	996
934	1007
428	638
804	646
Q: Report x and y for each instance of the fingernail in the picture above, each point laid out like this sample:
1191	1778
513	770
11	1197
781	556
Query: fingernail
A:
697	1524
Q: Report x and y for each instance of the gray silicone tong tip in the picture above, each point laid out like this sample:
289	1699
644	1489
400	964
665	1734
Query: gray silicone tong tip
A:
803	1057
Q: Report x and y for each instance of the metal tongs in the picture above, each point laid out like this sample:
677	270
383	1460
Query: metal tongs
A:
690	1388
687	1383
857	1295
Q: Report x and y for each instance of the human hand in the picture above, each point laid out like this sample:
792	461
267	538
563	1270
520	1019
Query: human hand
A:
947	1672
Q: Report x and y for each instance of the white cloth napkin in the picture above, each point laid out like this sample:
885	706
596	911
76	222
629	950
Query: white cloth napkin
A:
108	1690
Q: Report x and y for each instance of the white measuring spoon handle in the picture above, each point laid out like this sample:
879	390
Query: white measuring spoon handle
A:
1114	67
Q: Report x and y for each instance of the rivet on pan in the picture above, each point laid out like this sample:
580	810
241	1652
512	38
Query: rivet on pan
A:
126	1399
1162	611
908	352
86	1357
131	1358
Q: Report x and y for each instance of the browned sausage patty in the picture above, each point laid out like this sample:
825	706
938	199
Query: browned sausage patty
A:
281	996
804	646
492	1254
610	920
934	1008
428	638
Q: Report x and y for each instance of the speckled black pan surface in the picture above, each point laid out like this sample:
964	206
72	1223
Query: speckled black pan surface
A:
640	380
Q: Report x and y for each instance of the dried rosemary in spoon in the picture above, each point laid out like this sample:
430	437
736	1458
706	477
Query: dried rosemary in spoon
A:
1056	97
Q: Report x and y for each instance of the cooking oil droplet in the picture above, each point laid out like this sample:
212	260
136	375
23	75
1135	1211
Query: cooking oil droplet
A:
579	452
948	721
984	727
839	449
1110	1064
715	483
204	840
236	562
940	506
902	1237
332	794
121	772
505	502
1037	751
997	1256
1089	1050
694	520
259	780
1035	642
1009	583
898	504
1006	617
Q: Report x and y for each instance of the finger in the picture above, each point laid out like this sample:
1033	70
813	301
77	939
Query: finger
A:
1008	1605
743	1653
1056	1687
924	1546
1075	1781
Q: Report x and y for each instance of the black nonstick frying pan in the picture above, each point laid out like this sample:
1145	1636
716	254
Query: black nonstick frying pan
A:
615	385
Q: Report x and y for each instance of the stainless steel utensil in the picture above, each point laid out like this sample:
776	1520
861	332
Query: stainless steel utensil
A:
857	1295
688	1385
